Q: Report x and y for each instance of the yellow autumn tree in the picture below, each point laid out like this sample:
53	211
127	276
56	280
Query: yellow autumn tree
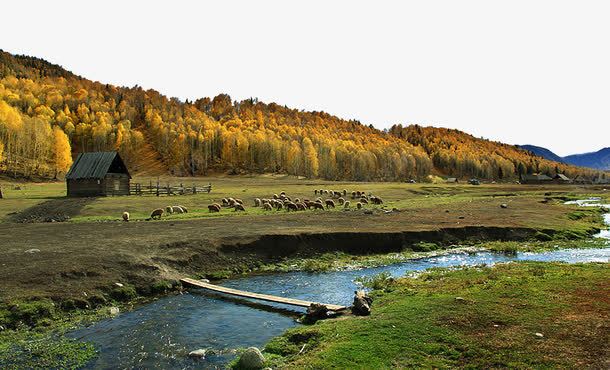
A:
62	155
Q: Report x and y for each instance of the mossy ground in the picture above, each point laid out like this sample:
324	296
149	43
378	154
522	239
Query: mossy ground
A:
473	317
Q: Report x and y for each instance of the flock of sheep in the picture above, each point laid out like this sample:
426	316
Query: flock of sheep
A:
282	201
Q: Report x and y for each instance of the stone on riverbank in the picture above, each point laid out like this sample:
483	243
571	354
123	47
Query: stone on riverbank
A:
252	358
362	303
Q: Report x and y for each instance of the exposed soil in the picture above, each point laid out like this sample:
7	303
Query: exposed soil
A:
54	210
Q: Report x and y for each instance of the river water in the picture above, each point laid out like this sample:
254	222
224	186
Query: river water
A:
159	335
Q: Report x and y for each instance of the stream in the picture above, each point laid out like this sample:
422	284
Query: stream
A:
160	335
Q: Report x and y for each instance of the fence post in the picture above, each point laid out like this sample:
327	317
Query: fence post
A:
194	189
157	187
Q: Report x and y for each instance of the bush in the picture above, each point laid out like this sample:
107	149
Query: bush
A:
381	281
123	293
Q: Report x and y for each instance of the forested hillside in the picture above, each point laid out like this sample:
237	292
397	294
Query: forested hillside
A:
47	115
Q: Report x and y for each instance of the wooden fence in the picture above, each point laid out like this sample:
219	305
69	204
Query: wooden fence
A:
158	189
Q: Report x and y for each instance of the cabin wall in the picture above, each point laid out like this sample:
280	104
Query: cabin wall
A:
116	184
85	188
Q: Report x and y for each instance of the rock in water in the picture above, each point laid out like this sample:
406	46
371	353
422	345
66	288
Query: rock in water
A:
114	311
362	304
252	358
199	353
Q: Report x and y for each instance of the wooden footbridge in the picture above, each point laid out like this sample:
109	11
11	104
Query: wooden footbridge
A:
263	297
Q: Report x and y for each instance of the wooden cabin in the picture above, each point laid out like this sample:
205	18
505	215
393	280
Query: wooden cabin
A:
536	179
97	174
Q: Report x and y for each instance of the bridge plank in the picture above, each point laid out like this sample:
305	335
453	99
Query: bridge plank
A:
263	297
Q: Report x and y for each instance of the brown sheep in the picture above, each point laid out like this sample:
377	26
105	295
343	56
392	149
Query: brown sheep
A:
364	201
257	202
301	206
359	205
267	207
330	203
346	204
156	214
376	200
317	205
291	206
126	216
341	201
239	207
214	208
279	205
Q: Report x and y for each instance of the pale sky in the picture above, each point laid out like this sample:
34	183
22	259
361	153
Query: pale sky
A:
522	72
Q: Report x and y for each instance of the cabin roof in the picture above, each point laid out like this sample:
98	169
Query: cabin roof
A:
561	176
95	165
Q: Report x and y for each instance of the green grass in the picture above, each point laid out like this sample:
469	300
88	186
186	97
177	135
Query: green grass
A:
472	317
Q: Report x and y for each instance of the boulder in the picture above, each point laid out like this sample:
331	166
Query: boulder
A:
114	311
316	312
198	353
362	304
252	358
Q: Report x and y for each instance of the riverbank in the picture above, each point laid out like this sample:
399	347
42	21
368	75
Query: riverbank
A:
518	315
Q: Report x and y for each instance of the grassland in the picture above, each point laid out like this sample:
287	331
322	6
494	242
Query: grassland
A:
518	315
72	272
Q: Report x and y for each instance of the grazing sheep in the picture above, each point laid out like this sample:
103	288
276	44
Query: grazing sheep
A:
231	202
267	207
169	210
275	196
184	209
317	205
225	202
126	216
353	195
315	192
177	209
364	201
346	204
257	202
341	201
330	203
344	192
376	200
325	191
301	206
359	205
279	205
296	200
214	208
291	206
239	201
358	194
239	207
156	214
318	199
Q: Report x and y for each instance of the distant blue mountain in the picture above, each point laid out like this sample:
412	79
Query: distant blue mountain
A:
543	152
599	160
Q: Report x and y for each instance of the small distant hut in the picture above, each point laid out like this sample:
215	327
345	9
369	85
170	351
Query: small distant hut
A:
452	180
536	179
98	174
560	178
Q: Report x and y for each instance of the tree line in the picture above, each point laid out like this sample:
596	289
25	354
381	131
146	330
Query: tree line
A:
48	115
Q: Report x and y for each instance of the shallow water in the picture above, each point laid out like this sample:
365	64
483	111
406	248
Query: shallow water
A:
160	334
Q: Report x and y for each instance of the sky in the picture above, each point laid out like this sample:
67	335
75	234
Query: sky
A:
520	72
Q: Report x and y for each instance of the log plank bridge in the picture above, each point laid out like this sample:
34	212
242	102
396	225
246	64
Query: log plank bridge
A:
263	297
